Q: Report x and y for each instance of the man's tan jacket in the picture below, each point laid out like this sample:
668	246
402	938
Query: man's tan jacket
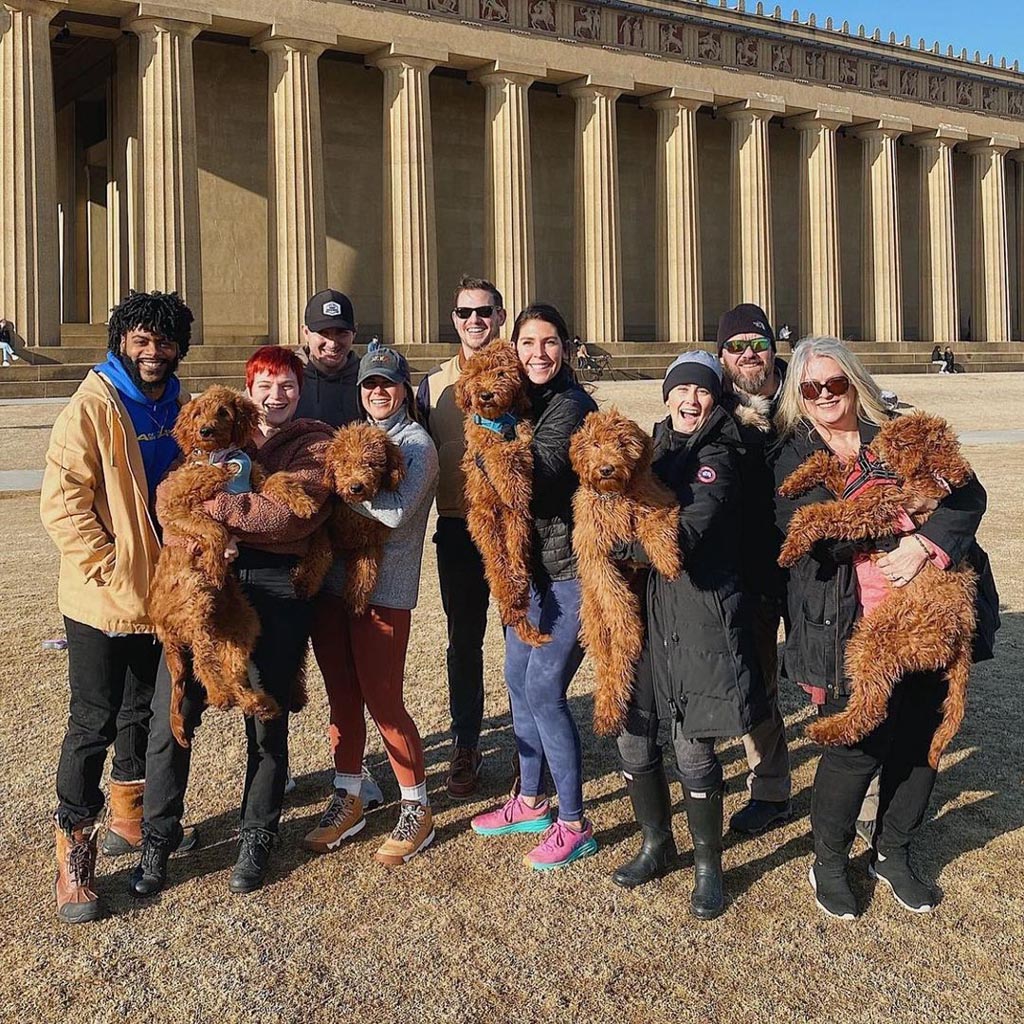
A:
95	507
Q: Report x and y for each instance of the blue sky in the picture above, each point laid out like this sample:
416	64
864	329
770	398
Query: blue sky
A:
991	26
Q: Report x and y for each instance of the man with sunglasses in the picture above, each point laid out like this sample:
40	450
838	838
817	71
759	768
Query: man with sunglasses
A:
478	315
747	350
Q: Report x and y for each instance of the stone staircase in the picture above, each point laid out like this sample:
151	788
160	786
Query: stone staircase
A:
55	372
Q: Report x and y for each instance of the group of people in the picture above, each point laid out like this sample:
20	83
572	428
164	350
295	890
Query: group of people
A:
736	424
946	360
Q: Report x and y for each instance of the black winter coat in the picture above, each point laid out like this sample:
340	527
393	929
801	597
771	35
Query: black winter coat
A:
822	589
698	626
557	410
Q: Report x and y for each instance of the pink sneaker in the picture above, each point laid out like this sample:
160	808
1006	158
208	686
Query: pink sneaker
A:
561	846
513	816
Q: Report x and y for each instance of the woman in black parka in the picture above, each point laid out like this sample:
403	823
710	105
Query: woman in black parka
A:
830	403
698	670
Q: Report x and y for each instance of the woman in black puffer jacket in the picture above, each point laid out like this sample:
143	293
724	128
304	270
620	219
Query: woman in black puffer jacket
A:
698	669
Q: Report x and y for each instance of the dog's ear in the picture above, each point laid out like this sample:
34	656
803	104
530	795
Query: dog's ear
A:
185	424
246	420
394	465
461	392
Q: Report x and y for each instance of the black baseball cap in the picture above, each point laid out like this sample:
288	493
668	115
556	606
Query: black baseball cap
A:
330	309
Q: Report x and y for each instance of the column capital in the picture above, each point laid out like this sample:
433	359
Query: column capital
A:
944	135
824	116
995	144
41	8
593	85
761	105
508	71
409	54
307	38
148	15
668	99
888	127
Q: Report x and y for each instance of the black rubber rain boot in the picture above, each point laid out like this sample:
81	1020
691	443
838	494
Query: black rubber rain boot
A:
652	807
704	814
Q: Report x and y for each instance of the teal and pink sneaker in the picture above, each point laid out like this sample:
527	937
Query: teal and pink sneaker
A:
560	846
513	816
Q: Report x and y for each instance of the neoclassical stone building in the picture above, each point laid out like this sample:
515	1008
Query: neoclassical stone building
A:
641	164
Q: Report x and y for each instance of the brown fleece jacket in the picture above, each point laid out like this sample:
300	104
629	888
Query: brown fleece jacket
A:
261	523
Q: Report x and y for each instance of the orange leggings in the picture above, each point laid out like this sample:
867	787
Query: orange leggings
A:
363	663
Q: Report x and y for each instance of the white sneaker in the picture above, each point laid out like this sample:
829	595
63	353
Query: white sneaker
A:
289	784
369	792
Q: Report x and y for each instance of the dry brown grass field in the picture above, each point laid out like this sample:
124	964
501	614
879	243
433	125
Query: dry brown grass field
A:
466	932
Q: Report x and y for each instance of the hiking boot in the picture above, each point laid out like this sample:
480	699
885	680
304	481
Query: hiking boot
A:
123	833
150	874
652	808
704	816
76	870
464	773
413	834
513	816
560	846
342	819
254	845
832	891
909	891
760	815
369	792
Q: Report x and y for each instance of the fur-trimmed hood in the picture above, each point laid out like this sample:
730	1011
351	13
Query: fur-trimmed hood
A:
752	411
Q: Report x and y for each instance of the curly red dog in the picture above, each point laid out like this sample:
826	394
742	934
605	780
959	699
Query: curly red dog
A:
619	500
927	625
195	602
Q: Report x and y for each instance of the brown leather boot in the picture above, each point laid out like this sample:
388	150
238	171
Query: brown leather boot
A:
124	826
76	867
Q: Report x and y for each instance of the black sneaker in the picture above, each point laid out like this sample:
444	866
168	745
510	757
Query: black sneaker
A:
150	874
253	855
760	815
832	893
895	872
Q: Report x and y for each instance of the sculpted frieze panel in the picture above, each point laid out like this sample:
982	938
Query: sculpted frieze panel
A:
848	71
541	15
908	81
670	37
814	64
631	31
443	6
782	58
586	23
879	77
937	88
989	97
746	53
1015	104
709	46
494	10
964	93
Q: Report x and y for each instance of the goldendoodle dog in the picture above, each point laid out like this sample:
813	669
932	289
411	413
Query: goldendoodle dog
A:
619	500
927	625
360	462
499	479
195	601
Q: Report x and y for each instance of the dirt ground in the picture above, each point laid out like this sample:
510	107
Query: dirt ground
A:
466	932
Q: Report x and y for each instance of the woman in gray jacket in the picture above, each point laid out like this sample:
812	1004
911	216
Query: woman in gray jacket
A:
363	657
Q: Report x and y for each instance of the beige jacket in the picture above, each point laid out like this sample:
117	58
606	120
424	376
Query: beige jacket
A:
94	505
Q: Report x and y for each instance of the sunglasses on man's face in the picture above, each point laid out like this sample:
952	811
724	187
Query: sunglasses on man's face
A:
465	312
735	346
835	386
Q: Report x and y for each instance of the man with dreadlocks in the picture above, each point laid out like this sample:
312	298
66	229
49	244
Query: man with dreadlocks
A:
110	447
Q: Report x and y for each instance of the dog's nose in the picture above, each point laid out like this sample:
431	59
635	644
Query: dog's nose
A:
486	396
206	431
355	488
606	470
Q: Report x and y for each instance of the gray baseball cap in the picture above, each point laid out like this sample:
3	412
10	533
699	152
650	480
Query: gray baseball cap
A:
381	361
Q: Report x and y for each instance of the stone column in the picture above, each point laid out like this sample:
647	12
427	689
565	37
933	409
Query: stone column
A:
1018	159
821	304
296	219
680	318
753	277
990	303
30	284
410	234
597	233
169	257
509	181
940	299
882	280
122	164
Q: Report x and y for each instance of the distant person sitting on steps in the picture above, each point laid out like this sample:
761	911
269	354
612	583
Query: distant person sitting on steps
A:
7	342
937	355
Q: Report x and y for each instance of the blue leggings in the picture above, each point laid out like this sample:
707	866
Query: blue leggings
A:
538	679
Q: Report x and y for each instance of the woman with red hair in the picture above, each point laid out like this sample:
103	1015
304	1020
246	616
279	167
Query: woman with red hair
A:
269	540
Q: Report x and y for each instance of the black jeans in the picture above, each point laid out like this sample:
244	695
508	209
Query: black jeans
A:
278	656
465	596
898	751
111	680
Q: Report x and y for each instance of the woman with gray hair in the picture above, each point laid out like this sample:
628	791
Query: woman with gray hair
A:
831	403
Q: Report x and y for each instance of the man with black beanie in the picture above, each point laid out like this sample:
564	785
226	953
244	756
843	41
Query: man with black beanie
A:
746	348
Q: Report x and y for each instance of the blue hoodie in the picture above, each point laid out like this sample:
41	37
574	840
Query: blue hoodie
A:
153	421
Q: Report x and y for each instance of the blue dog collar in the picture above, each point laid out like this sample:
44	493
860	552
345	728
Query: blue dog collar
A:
239	465
502	426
